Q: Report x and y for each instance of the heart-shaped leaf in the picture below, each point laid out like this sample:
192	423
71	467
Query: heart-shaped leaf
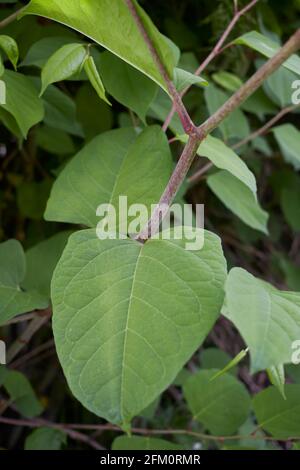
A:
127	316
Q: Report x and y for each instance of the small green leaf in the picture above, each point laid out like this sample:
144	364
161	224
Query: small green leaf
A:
276	415
22	394
238	198
214	358
227	80
184	79
45	439
22	101
268	48
267	318
41	50
127	316
14	300
64	63
10	47
95	79
222	405
232	363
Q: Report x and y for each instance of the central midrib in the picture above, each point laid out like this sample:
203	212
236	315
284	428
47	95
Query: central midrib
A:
125	337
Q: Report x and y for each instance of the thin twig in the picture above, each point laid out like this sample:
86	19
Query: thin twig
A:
214	53
111	427
186	121
35	324
189	151
11	18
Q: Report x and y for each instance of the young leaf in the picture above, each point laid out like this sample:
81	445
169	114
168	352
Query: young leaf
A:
10	47
45	439
231	364
239	199
276	415
214	358
127	316
183	79
22	394
120	34
268	319
64	63
22	101
41	50
143	443
126	84
268	48
277	378
13	299
94	78
221	405
113	164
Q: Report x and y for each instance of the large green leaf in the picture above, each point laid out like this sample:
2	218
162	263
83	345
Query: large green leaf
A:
111	25
288	138
22	100
127	85
113	164
13	299
268	319
268	48
239	199
225	158
279	416
143	443
222	405
127	316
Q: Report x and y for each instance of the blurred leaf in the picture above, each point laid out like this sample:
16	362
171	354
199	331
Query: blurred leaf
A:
32	197
288	138
45	439
268	48
267	318
14	300
45	253
22	394
227	80
222	405
276	415
214	358
236	360
41	50
239	199
54	141
143	443
22	101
